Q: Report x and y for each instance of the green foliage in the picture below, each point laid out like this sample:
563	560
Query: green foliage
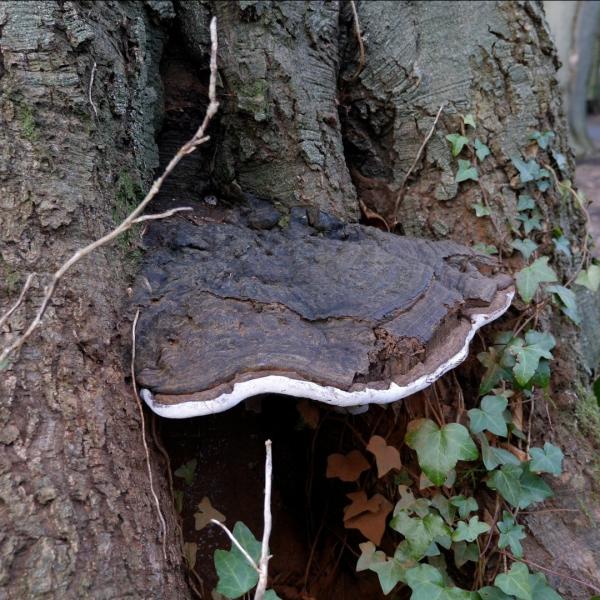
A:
187	471
525	202
528	353
543	139
469	532
590	278
465	172
511	534
567	301
489	249
481	210
481	150
531	222
494	457
236	575
438	450
518	485
516	582
561	244
530	171
469	120
546	460
526	247
457	142
464	505
490	417
530	278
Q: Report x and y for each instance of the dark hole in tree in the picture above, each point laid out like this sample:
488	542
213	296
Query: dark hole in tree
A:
307	508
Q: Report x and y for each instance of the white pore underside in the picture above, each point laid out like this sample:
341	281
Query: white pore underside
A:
278	384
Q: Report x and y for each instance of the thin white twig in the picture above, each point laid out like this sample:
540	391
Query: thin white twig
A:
264	554
163	215
90	88
198	138
236	544
359	41
415	161
161	519
16	305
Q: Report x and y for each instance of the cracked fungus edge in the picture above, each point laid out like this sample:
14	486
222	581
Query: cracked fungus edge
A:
278	384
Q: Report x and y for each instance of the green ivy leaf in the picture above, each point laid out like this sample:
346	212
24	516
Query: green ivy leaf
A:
390	573
529	278
465	505
464	552
515	582
540	590
187	471
469	120
481	150
368	556
410	504
494	457
458	142
493	593
531	222
444	507
481	210
528	353
533	489
489	249
469	532
507	482
236	575
427	583
526	247
271	595
496	369
511	534
419	532
543	139
560	160
465	171
528	171
438	450
590	278
567	302
525	202
561	244
548	460
490	416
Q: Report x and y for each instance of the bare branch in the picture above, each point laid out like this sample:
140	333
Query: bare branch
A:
264	554
199	138
359	40
163	215
16	305
161	519
90	87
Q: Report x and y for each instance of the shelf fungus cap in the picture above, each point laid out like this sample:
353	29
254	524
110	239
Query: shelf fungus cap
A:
349	316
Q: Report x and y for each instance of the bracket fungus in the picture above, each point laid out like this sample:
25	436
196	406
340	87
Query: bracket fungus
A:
342	314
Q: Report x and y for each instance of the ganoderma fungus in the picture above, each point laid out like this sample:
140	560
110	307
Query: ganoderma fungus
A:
342	314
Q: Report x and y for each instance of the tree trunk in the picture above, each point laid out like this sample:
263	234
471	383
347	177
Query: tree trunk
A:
302	122
79	103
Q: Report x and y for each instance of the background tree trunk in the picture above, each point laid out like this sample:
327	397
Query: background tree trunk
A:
302	123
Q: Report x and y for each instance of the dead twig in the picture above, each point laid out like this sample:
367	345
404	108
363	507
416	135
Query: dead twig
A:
359	41
198	139
16	305
414	163
91	85
262	568
263	564
161	519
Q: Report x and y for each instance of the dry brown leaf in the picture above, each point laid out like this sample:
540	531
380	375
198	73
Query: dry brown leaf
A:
346	467
205	513
516	407
309	412
367	515
189	553
387	457
520	454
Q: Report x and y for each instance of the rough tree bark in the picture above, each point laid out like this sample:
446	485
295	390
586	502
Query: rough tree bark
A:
303	123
